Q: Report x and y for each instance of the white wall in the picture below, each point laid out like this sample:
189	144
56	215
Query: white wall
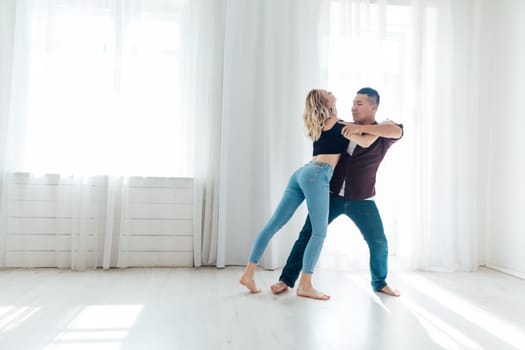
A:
501	143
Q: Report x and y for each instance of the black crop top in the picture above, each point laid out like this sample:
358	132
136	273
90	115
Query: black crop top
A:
331	141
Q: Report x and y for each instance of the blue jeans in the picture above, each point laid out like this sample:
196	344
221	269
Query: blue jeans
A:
365	215
311	182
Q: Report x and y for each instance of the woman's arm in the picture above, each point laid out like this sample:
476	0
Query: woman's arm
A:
363	140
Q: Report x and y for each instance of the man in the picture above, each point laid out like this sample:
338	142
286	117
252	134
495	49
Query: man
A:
352	191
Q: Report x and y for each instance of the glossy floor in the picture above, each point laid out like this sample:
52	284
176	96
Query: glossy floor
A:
206	308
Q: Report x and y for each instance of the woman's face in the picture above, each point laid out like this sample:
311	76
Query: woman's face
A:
330	100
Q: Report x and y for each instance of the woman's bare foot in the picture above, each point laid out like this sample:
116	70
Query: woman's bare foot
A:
247	278
310	292
390	291
250	284
279	287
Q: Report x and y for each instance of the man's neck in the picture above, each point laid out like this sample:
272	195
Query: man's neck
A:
367	122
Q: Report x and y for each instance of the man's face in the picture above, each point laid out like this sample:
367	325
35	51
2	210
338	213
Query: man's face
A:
363	111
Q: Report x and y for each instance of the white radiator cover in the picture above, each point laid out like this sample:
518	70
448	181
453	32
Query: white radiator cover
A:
159	221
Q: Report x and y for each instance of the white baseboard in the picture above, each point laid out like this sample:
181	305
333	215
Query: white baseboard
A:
506	270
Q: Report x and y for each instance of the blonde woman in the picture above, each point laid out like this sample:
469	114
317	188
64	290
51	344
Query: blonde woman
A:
310	182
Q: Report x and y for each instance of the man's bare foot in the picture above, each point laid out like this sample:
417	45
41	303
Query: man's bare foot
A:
279	287
310	292
250	284
390	291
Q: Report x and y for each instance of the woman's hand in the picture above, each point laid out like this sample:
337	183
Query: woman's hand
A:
351	128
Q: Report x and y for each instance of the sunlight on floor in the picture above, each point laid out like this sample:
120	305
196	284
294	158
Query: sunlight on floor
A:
11	317
440	332
101	327
489	322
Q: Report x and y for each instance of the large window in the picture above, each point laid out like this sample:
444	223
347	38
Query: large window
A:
105	86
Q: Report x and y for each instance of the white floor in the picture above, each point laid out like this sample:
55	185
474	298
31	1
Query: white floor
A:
205	308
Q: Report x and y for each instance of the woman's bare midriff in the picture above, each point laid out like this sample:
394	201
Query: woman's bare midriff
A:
331	159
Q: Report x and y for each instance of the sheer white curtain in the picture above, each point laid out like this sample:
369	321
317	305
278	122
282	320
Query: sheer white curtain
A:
94	92
215	90
89	75
422	56
270	62
7	24
439	228
204	96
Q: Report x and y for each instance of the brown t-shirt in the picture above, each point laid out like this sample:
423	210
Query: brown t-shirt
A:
358	171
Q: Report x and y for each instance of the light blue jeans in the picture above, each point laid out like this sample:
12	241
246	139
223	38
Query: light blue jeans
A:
311	182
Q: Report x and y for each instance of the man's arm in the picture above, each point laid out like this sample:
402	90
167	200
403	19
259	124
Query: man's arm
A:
387	129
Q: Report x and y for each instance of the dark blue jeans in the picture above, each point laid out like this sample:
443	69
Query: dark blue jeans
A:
365	215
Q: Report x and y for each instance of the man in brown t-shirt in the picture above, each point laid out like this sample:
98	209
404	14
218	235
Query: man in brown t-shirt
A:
352	191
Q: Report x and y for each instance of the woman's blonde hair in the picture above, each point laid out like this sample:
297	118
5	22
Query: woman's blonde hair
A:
315	114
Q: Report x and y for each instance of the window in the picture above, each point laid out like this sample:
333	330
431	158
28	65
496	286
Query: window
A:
105	89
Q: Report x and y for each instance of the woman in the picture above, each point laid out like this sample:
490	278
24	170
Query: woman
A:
311	182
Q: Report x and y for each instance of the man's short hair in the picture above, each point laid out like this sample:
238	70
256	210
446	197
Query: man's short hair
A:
373	95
